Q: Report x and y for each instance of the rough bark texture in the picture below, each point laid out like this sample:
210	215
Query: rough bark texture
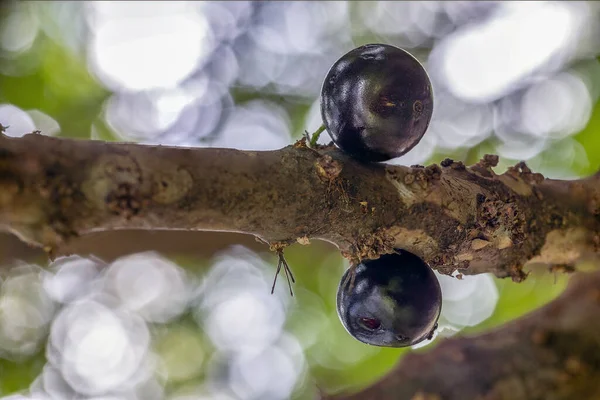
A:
551	354
457	218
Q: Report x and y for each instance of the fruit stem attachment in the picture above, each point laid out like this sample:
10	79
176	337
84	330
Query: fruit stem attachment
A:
315	136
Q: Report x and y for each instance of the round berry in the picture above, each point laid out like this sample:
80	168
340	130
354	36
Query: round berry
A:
376	102
394	301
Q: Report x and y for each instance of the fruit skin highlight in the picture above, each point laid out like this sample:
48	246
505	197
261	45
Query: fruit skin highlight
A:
376	102
395	300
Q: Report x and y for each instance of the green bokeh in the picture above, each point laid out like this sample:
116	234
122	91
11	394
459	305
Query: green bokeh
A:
62	87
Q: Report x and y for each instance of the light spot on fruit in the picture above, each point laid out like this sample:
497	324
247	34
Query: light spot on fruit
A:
418	108
387	102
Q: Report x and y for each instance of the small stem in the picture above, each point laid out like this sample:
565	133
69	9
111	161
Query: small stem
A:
315	136
286	270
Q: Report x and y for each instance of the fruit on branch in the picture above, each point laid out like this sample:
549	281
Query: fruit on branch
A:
376	102
394	301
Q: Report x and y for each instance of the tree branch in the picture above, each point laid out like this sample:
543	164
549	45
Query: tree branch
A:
551	354
456	218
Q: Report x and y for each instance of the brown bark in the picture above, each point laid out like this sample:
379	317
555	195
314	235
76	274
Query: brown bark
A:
551	354
465	219
457	218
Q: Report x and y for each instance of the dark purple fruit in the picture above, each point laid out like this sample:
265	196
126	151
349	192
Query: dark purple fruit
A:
395	301
376	102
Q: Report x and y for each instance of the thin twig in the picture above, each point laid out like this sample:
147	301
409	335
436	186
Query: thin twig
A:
286	269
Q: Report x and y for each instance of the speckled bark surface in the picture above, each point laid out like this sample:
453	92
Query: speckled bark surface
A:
457	218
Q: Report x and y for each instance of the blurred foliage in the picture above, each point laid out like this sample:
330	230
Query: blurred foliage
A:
18	375
590	139
61	86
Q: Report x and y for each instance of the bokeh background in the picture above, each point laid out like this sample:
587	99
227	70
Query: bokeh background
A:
155	315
